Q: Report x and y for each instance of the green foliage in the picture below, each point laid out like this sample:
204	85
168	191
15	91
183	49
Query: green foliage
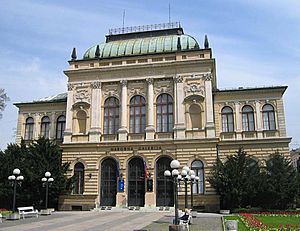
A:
33	160
281	181
235	180
241	183
3	99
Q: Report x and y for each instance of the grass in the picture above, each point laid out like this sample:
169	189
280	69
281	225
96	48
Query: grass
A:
241	226
5	212
278	220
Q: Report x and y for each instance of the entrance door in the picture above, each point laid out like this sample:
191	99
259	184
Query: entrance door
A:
136	182
164	186
108	182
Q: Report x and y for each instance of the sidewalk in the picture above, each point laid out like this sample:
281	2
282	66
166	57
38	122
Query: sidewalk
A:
110	220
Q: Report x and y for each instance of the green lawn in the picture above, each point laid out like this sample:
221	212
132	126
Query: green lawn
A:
278	220
241	226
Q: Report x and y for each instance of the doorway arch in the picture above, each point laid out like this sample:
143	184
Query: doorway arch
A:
136	182
164	186
108	186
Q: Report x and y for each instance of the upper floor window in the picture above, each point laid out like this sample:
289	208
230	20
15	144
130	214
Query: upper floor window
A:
111	115
137	114
60	127
195	115
197	166
269	117
29	128
45	127
227	119
248	118
81	119
79	178
164	113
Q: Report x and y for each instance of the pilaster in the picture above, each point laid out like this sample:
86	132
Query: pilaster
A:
258	120
179	128
210	125
95	131
123	131
69	114
238	120
150	129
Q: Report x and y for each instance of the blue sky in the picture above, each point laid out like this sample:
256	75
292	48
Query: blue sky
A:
255	43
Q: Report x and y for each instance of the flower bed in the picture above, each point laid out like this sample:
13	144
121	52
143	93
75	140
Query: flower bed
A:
4	212
261	221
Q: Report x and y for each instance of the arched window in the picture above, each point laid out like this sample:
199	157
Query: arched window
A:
45	127
111	115
137	114
29	128
81	120
227	119
164	113
269	117
195	115
60	127
79	178
197	166
248	118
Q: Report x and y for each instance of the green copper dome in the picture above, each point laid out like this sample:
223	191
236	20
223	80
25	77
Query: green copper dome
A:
143	46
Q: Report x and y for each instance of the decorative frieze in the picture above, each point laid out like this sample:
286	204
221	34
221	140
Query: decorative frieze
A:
71	86
194	89
82	95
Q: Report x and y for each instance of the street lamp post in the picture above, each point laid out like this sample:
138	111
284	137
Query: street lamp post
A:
15	179
194	180
185	175
174	166
47	180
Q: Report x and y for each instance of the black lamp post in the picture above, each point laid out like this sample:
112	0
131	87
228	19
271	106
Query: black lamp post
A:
15	179
185	176
174	166
194	180
47	180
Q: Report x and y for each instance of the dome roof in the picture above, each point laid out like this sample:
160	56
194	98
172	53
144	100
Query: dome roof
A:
143	46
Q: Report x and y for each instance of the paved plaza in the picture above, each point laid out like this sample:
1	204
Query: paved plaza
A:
109	220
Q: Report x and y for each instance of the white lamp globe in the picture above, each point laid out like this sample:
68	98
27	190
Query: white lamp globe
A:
174	164
21	177
192	172
44	179
12	177
192	177
9	177
175	172
179	177
51	179
16	171
187	177
183	173
47	174
167	173
197	178
186	168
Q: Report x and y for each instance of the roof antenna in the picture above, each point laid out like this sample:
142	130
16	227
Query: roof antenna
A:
123	20
169	13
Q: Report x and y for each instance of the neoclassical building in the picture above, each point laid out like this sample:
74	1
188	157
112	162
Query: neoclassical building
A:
146	96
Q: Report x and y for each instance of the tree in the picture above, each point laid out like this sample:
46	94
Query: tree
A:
282	187
235	180
34	160
3	99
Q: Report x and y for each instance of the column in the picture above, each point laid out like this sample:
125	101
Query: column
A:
258	124
238	120
150	129
37	126
210	125
69	114
123	129
95	131
52	134
179	128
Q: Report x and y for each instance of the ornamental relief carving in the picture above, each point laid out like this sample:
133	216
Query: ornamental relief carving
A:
137	89
194	89
110	90
163	86
82	95
96	85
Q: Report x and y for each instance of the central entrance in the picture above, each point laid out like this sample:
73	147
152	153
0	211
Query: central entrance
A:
136	182
108	182
164	186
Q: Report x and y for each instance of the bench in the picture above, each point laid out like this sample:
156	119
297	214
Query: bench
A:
28	211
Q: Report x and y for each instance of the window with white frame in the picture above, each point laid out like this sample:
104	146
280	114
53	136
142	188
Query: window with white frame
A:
248	118
227	119
268	117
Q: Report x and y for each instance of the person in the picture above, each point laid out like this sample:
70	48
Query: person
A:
186	216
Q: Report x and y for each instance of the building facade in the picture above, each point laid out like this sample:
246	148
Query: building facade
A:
144	97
